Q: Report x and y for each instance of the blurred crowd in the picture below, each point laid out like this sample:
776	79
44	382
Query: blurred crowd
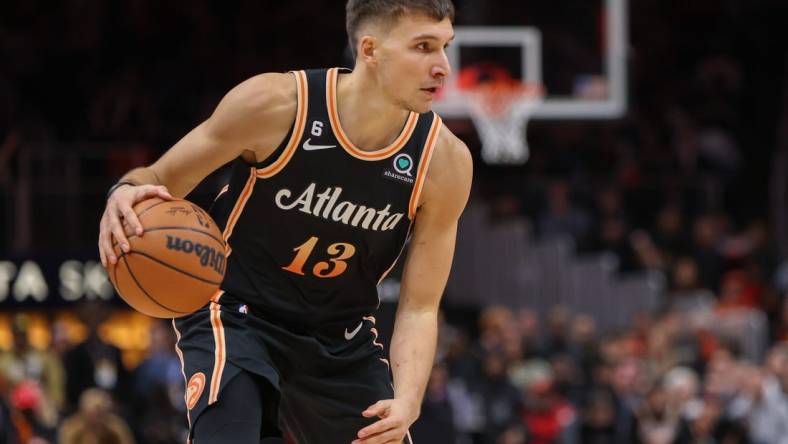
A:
85	392
559	380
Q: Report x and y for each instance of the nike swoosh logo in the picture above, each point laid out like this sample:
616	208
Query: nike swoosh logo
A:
309	147
352	334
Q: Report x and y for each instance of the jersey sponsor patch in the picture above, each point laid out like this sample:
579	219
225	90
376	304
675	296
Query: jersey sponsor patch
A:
194	389
401	169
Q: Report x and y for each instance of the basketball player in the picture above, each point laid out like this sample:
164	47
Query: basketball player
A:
333	170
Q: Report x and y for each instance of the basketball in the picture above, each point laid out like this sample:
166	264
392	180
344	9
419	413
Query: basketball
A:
177	264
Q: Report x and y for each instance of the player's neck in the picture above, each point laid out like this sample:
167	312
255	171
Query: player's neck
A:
370	120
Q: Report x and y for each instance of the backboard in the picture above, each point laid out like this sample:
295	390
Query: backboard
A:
575	50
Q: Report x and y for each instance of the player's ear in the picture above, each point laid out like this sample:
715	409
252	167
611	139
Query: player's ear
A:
367	49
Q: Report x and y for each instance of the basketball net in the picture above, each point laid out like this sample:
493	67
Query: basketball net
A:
500	112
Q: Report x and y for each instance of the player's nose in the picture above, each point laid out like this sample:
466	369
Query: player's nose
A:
441	68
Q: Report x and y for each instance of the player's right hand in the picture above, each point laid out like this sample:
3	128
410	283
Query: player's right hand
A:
119	211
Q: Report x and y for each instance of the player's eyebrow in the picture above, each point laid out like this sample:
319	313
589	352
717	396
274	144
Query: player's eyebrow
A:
430	37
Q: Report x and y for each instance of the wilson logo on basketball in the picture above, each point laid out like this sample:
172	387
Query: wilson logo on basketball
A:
209	257
194	389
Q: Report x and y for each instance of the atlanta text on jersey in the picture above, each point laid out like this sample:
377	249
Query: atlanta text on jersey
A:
328	206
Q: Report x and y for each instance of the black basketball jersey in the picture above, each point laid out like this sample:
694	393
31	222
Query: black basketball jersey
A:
312	230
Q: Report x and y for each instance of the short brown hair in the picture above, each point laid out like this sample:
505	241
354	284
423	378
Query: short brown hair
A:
359	12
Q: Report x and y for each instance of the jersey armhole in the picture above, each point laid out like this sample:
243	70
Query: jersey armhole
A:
424	165
268	169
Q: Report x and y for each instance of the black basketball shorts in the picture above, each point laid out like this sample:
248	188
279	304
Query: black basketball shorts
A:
320	380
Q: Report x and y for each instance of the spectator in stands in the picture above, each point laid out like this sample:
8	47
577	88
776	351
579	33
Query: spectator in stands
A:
158	390
763	399
94	362
557	334
24	364
657	419
528	328
670	233
32	413
687	295
95	422
547	416
598	419
501	399
7	429
707	235
562	217
436	423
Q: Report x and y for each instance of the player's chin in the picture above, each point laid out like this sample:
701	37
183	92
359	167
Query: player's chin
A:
421	106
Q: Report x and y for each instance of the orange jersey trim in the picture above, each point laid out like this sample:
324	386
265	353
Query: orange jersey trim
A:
424	164
298	129
220	352
396	259
344	140
238	209
183	369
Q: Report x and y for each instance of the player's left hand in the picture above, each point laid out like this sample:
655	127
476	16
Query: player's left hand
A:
395	415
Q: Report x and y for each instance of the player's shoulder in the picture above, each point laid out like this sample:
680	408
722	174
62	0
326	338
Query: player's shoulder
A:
263	104
450	173
452	154
264	92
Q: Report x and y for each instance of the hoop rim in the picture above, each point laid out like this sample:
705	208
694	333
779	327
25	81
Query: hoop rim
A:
498	98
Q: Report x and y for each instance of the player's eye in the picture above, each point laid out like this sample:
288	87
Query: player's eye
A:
423	46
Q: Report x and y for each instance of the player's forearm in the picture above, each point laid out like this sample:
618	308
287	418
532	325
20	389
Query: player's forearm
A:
141	176
412	353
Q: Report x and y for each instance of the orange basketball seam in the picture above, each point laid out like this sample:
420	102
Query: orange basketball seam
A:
173	267
145	292
339	132
426	157
302	103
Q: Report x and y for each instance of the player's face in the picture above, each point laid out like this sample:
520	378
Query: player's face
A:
412	62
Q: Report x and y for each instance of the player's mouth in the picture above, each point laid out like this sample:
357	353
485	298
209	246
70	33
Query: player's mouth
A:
431	90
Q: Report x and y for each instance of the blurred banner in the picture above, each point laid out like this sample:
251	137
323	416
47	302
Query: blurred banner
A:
52	281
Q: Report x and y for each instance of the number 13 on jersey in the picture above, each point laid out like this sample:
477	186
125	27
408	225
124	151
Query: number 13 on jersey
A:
338	254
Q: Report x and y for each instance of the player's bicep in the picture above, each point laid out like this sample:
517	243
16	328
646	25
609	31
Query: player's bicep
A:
251	117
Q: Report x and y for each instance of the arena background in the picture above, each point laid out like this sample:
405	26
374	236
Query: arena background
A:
626	284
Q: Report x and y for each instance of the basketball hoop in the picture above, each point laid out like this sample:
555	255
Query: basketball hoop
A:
500	111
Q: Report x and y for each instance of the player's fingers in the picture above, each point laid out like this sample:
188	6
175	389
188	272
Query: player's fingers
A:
153	191
394	435
378	427
117	231
164	193
379	408
101	252
105	242
131	219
